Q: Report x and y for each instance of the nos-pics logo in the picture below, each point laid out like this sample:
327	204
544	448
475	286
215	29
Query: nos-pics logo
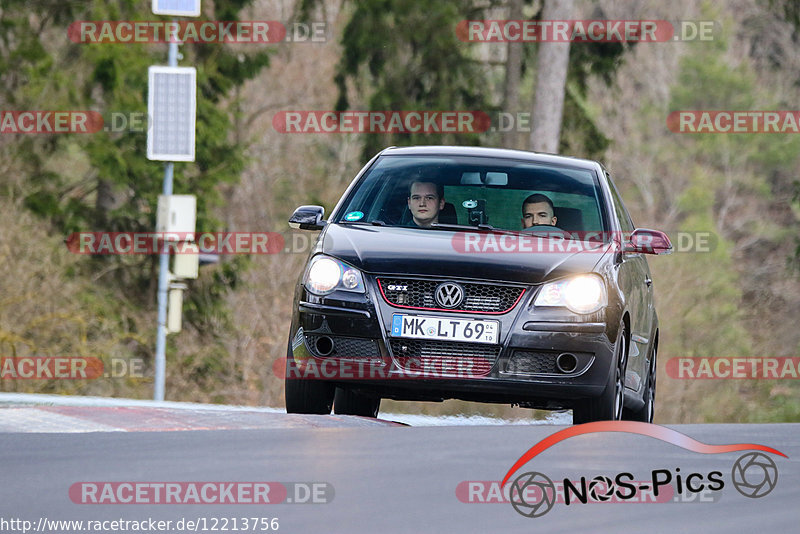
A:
533	494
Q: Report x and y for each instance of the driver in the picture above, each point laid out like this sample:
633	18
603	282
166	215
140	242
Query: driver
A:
425	201
537	209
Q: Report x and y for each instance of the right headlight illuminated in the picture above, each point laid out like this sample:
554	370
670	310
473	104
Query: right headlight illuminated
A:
326	274
583	294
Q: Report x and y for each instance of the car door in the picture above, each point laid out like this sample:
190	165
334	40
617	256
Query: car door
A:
634	276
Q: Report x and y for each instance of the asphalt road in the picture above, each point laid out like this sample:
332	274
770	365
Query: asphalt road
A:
393	478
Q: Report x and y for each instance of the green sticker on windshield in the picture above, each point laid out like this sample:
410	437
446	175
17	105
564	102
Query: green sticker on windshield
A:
353	216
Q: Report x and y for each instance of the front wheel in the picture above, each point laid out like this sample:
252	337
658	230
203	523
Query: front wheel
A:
309	396
306	395
348	402
608	406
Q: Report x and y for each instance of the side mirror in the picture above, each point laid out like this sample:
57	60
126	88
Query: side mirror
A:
646	241
308	218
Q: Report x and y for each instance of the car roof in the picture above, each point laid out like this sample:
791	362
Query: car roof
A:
491	153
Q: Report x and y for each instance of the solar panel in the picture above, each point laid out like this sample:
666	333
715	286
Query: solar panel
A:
180	8
171	106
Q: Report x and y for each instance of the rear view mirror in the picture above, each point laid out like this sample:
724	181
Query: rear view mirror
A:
496	178
308	218
471	178
646	241
491	178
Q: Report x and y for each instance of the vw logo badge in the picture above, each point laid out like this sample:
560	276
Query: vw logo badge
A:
449	295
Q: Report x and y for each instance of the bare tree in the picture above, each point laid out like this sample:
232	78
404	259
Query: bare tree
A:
551	79
513	73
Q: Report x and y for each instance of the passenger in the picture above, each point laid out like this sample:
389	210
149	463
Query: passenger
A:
537	209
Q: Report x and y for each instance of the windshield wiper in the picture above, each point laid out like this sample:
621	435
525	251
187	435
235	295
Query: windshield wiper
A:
470	228
467	227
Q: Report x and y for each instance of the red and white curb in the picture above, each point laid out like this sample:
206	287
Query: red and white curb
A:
66	414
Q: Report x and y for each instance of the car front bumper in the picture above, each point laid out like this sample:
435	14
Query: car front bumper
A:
345	338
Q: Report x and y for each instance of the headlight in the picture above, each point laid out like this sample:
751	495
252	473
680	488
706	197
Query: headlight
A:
581	294
327	274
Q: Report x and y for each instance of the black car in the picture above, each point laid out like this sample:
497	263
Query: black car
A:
479	274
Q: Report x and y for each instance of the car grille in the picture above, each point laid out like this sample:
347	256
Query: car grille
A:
524	362
346	348
478	297
444	357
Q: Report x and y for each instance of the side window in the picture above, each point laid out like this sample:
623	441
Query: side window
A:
619	208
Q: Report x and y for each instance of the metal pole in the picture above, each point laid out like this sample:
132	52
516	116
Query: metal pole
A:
163	274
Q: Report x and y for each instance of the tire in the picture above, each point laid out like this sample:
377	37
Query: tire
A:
307	396
348	402
609	405
645	413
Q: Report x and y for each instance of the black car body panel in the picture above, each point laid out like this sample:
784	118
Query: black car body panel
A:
375	249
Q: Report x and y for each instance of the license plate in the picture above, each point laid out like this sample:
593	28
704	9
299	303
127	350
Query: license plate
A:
426	327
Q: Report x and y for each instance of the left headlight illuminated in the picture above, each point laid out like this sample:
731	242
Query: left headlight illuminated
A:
581	294
326	274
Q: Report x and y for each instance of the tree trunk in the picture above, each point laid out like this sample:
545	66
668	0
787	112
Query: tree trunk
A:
513	73
551	79
105	201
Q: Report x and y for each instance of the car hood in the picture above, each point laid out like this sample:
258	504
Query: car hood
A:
396	250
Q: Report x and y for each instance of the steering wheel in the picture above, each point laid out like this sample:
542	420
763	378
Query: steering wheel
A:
546	230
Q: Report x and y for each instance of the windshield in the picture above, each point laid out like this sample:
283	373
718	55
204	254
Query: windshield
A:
436	192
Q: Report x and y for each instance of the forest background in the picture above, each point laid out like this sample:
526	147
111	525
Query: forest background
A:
740	298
